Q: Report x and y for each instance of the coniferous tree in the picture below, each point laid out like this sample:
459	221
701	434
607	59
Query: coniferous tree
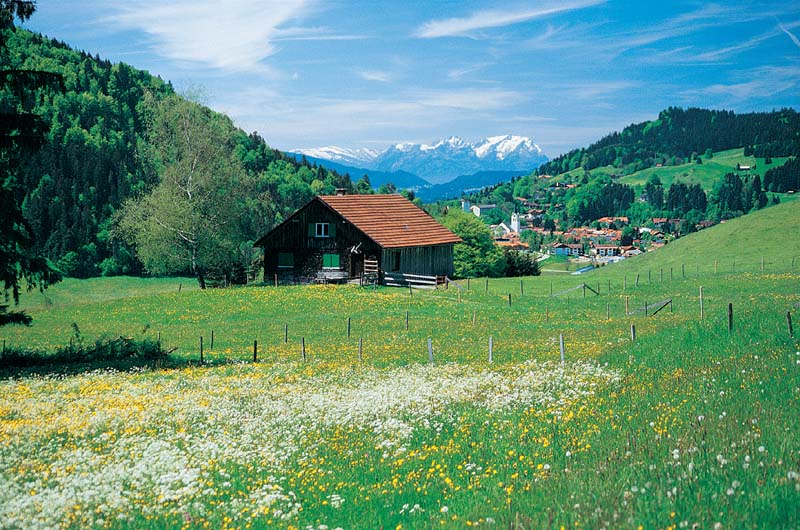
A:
21	133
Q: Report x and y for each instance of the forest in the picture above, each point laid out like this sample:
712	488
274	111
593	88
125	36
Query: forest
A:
97	153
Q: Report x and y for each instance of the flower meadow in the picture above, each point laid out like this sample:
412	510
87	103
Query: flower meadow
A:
689	426
255	445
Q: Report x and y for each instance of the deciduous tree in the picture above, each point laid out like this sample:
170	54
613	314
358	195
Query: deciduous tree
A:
190	220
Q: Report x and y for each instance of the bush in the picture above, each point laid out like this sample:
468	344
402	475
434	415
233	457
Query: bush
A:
102	351
521	263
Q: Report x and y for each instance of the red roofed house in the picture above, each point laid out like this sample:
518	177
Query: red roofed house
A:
336	237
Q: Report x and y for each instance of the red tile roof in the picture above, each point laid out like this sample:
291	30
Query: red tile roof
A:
392	221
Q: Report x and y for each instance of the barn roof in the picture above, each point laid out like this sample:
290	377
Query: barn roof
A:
392	221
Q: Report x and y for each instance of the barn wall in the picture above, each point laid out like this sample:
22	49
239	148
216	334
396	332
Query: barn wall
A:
435	260
293	237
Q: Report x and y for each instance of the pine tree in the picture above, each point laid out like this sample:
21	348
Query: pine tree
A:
21	133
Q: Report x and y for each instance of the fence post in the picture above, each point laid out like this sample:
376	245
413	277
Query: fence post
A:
360	348
285	333
661	276
158	341
491	344
730	317
303	347
633	332
637	279
509	299
474	313
715	266
487	284
201	349
626	306
211	346
608	310
561	346
467	284
255	351
683	270
609	286
625	282
670	274
348	327
788	321
547	313
410	292
551	288
406	320
702	313
584	290
430	351
276	279
648	276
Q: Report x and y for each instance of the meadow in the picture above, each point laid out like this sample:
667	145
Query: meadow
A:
692	425
705	174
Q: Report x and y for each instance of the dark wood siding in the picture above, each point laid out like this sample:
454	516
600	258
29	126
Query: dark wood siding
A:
436	260
295	237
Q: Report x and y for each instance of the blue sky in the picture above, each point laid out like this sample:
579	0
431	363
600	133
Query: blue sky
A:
307	73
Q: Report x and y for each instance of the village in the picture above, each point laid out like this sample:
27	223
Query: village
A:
606	240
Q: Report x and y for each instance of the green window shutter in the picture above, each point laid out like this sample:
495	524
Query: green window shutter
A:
332	231
312	229
330	261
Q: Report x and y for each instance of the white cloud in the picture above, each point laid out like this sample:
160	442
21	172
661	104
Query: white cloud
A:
459	27
299	120
753	84
791	35
236	35
374	75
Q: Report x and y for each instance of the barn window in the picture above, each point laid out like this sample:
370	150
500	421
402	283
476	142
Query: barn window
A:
330	261
395	261
323	230
285	260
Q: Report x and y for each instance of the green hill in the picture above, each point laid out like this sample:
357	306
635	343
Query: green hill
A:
769	233
706	174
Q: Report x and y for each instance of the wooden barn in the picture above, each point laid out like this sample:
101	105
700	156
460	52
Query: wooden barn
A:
340	237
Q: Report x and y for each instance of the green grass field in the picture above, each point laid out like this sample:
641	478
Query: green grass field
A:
689	425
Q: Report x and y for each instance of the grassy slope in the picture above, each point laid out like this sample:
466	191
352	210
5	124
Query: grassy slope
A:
702	428
705	174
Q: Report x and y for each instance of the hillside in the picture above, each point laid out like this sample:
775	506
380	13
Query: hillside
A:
96	155
769	233
680	135
713	167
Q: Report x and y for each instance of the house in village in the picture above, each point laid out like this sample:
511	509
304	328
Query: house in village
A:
607	250
341	236
480	209
567	249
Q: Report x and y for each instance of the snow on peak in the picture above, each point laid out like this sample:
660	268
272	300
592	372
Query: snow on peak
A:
502	146
341	154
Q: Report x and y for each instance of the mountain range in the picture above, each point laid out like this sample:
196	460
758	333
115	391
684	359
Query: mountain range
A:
434	164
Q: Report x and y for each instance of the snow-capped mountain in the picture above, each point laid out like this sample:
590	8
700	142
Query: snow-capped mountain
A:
444	160
354	157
